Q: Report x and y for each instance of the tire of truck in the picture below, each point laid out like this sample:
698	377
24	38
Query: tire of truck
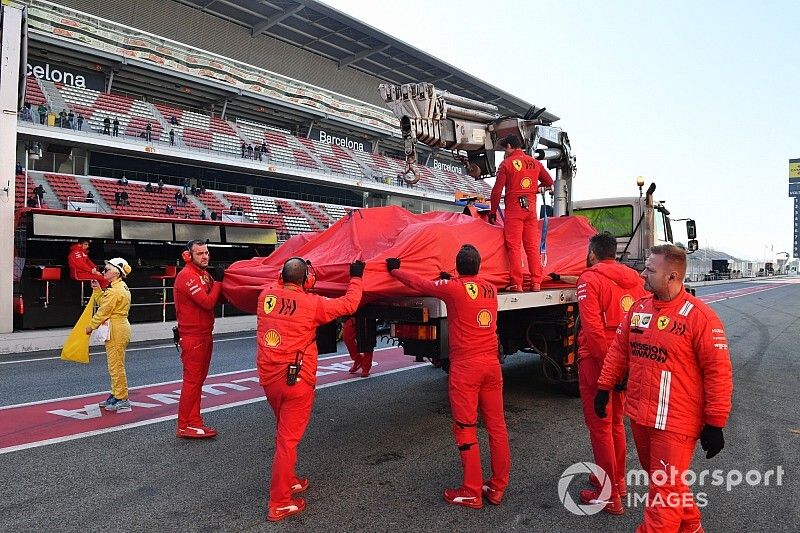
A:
564	381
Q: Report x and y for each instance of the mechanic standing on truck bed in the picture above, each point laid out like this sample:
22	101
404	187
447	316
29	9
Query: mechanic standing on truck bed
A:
521	176
475	377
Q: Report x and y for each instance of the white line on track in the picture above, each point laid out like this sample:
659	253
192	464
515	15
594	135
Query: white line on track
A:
155	347
175	416
332	356
723	297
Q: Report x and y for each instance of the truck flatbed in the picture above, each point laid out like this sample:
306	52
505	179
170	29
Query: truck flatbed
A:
506	301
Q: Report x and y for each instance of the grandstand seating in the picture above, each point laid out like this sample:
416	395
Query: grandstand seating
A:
282	148
34	94
66	187
334	157
201	131
386	170
142	202
19	196
262	209
319	216
133	115
336	211
285	215
240	201
211	201
289	217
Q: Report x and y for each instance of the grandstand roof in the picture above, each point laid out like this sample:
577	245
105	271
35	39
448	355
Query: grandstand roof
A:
332	34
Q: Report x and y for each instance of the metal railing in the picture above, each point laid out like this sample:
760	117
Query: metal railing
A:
81	204
135	135
113	173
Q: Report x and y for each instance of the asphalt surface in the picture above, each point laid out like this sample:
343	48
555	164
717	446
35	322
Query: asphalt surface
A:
379	451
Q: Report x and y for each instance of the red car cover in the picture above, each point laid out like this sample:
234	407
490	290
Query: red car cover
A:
426	244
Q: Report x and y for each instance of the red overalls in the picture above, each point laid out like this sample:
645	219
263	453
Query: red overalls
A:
676	357
287	326
475	377
521	176
81	266
195	294
605	292
362	361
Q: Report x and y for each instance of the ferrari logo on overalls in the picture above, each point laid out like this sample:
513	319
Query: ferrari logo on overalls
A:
472	289
626	302
484	318
269	303
663	322
272	338
525	183
517	164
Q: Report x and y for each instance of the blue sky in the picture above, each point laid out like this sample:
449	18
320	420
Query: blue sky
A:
701	97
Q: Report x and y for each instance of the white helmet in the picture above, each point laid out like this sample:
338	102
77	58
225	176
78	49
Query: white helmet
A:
121	265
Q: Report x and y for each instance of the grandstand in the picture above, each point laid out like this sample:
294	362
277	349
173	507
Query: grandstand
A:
289	217
265	117
289	130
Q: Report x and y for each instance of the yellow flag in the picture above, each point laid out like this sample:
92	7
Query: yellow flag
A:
76	347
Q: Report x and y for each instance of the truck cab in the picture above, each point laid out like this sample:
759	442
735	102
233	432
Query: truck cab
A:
637	223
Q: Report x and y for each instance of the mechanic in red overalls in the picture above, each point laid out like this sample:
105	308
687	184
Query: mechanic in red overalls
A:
196	294
475	377
521	176
362	361
81	267
606	291
673	349
288	317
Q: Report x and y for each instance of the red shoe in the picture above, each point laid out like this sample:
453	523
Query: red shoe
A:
461	496
612	506
356	365
513	288
691	527
300	485
536	287
202	432
279	512
493	496
366	365
622	488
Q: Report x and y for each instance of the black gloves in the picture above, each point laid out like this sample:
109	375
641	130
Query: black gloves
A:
600	402
218	273
357	269
622	385
554	276
444	275
392	263
711	440
492	218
